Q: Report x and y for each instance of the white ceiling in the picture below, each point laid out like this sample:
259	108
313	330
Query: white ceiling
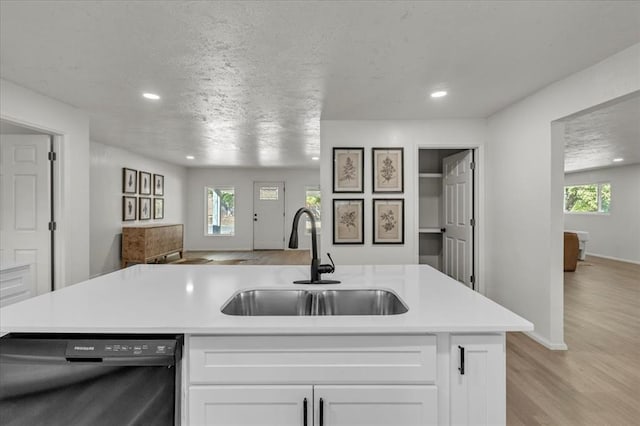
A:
595	138
246	83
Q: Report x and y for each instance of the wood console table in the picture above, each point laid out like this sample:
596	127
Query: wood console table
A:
141	244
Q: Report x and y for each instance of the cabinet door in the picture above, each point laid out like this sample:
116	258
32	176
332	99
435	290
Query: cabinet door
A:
478	383
375	405
250	405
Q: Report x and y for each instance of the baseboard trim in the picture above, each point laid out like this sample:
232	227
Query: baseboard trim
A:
546	343
614	258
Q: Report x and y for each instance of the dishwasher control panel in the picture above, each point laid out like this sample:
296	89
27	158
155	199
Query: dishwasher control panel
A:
119	348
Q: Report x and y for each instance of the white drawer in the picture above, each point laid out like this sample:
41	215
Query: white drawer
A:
358	359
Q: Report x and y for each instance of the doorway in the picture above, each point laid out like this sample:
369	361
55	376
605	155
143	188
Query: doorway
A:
447	212
27	224
268	215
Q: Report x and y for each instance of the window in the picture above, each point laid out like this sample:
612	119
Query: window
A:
268	193
312	202
589	198
220	211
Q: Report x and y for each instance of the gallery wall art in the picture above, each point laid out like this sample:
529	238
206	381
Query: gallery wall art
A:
348	170
137	183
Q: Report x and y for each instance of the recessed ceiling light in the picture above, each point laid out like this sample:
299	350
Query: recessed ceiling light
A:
617	160
439	94
190	157
315	158
151	96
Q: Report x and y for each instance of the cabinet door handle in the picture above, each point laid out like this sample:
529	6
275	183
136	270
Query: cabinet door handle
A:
304	412
461	368
321	412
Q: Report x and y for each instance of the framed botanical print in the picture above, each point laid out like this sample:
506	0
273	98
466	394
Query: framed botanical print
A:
145	183
129	181
158	185
388	169
128	208
348	221
158	208
388	221
348	167
144	208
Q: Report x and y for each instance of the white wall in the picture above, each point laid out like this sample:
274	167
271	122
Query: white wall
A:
106	200
242	180
617	234
27	108
409	134
524	230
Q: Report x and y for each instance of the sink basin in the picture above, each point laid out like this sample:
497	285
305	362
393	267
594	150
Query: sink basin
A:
360	302
269	302
314	302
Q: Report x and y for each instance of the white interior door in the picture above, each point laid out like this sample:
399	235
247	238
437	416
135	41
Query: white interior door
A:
268	215
25	211
458	213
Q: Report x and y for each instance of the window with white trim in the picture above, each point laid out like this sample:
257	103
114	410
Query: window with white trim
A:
587	198
312	202
219	210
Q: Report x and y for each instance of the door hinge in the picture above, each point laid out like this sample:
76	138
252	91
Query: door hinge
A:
473	222
472	165
52	226
472	278
52	156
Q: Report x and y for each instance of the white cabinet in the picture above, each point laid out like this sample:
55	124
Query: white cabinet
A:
16	283
250	405
399	380
375	405
353	380
478	380
283	405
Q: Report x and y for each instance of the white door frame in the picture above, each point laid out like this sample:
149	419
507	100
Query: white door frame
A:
478	207
58	255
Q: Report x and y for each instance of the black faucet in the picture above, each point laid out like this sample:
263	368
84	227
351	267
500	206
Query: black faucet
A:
316	268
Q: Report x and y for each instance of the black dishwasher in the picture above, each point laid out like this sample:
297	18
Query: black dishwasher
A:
74	379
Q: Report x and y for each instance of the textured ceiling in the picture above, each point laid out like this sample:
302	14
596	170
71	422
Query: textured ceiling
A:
595	138
246	83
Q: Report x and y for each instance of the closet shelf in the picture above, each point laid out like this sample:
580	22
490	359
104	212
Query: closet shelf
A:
430	175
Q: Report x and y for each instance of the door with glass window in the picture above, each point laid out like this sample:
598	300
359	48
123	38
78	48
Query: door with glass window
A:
268	216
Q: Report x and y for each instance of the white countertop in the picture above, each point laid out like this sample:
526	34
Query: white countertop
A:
187	299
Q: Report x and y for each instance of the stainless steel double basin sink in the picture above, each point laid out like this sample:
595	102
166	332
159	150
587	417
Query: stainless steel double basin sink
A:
283	302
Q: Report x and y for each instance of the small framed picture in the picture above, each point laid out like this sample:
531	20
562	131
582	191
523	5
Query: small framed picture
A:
388	169
348	221
348	166
388	221
145	183
144	208
129	181
128	208
158	185
158	208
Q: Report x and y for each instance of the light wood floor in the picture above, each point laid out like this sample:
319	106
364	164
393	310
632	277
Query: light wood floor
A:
595	382
259	257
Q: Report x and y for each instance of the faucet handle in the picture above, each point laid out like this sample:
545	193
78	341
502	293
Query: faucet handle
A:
327	269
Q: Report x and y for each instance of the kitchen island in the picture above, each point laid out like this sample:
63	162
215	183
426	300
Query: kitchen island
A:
442	362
